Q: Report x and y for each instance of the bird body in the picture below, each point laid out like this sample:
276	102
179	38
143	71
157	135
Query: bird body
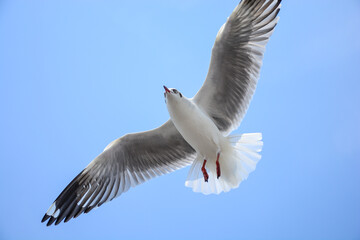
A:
197	133
195	126
213	149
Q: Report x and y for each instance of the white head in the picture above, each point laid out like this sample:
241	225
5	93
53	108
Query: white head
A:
173	94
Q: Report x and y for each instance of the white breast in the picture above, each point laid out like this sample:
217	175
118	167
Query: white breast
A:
195	126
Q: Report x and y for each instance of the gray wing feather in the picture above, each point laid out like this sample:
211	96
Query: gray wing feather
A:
235	62
126	162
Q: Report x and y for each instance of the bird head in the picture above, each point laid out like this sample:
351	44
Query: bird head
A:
172	92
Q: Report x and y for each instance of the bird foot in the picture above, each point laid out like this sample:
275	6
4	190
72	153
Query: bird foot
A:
205	174
218	171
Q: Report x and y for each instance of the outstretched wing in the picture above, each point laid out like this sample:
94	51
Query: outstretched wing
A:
235	62
126	162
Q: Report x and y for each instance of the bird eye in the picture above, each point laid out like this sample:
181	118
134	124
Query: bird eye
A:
175	91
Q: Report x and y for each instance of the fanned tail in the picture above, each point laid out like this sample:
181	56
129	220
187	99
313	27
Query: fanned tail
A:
237	162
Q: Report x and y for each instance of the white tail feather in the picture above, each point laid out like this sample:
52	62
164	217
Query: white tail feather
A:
236	162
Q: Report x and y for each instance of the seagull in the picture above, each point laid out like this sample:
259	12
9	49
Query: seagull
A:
197	132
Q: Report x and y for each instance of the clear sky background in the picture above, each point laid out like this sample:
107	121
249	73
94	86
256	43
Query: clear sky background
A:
75	75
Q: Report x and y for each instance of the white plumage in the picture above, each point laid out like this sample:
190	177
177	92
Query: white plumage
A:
237	160
199	130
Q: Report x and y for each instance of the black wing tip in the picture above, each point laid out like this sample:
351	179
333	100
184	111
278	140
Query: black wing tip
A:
50	218
58	219
46	217
51	221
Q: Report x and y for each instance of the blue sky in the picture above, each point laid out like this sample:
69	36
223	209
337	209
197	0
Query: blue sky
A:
74	75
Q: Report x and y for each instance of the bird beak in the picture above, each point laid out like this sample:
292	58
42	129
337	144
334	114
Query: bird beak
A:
166	90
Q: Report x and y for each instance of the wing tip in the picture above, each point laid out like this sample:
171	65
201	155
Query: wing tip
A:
51	221
46	217
57	220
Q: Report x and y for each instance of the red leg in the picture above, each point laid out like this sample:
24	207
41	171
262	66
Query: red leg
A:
218	172
206	176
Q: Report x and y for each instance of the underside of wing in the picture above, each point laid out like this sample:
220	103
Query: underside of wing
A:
126	162
235	62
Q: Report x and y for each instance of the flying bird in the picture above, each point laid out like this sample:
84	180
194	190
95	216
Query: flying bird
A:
197	132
